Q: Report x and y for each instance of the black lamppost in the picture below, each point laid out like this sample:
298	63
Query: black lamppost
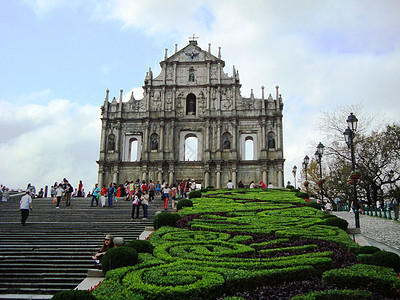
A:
306	160
318	157
349	135
294	171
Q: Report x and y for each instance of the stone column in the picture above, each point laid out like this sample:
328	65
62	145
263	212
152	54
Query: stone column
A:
101	176
264	177
171	177
206	178
162	136
218	181
115	174
159	175
118	137
234	176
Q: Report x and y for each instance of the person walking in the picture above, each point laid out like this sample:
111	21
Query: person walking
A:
103	194
152	190
59	192
110	192
95	194
80	187
25	205
165	195
145	205
136	203
230	184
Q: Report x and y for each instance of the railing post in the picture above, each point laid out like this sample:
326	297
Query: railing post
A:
384	213
390	215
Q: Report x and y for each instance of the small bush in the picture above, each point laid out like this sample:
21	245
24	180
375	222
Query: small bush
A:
367	250
210	186
119	257
204	190
289	186
385	259
314	205
302	195
194	194
141	246
165	219
337	222
184	203
74	295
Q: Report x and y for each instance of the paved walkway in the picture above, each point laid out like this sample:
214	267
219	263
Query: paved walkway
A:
377	231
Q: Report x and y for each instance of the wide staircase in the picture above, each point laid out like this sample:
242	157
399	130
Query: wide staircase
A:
52	252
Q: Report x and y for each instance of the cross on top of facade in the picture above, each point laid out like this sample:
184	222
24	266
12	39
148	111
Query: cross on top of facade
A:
193	38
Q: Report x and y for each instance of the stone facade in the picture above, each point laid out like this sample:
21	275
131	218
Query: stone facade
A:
192	123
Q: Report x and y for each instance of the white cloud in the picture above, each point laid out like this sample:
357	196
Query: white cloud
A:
62	142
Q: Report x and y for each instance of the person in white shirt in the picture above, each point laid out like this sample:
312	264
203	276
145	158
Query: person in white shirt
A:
59	192
252	185
230	185
328	206
25	204
270	185
193	185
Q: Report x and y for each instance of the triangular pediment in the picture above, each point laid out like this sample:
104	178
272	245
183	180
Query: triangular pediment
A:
190	53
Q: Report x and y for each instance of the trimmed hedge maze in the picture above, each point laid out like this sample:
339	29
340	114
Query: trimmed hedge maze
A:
249	244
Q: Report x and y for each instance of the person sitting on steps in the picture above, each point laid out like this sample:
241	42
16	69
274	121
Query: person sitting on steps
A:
108	244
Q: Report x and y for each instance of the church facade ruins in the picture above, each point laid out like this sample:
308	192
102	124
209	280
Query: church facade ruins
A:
192	122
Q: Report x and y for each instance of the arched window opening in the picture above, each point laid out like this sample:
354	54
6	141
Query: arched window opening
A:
271	140
191	148
134	149
191	104
111	142
249	149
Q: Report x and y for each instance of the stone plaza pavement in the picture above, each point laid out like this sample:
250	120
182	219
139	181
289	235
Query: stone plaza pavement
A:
379	232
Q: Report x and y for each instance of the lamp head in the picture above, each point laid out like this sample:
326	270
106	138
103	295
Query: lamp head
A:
320	148
352	122
306	160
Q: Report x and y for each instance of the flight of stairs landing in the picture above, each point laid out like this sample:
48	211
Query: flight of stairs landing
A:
52	252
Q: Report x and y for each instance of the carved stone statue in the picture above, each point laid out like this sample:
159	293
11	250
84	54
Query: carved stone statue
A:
271	141
154	144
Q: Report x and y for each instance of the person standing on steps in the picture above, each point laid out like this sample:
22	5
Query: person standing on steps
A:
145	205
59	192
110	192
95	194
165	196
80	187
152	190
25	205
136	203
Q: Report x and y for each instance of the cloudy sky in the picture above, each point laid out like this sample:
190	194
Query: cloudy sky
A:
58	57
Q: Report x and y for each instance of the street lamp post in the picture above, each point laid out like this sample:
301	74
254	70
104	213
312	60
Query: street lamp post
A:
318	157
349	135
294	171
390	175
306	160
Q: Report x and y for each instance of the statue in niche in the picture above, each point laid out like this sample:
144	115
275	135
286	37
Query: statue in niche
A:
226	144
154	144
191	107
191	77
271	141
111	143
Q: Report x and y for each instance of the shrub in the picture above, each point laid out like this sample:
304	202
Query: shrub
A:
194	194
380	280
184	203
141	246
289	186
210	186
337	222
204	190
119	257
302	195
165	219
74	295
385	259
367	250
336	295
314	205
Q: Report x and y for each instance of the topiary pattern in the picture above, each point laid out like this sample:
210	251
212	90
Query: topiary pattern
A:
385	259
119	257
184	203
141	246
165	219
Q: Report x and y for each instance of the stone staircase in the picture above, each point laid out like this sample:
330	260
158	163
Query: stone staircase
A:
52	252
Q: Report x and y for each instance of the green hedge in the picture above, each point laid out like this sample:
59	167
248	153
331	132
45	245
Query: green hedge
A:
381	280
194	194
141	246
165	219
184	203
74	295
336	295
